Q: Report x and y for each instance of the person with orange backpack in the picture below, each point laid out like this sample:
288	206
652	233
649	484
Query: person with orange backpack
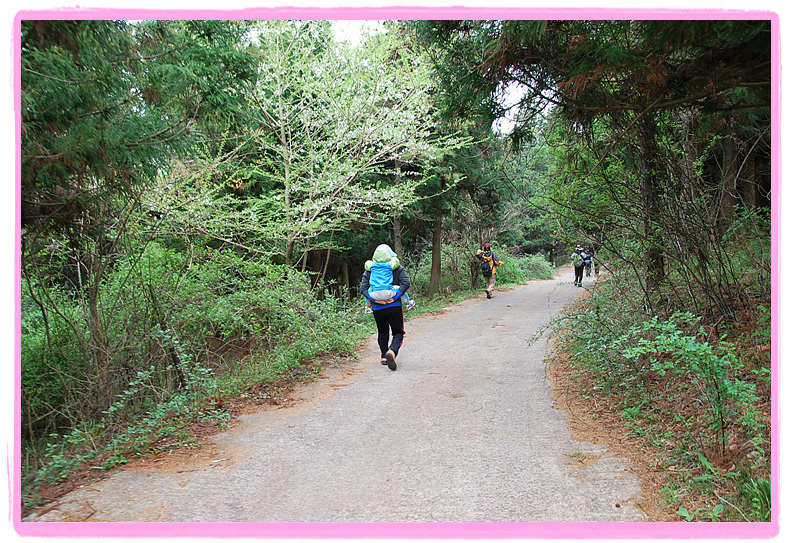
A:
488	265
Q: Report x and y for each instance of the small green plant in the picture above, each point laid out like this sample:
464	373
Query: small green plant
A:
636	430
671	493
715	371
712	515
114	461
683	512
757	493
763	333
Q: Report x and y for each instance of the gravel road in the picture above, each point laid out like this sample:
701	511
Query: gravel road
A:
464	431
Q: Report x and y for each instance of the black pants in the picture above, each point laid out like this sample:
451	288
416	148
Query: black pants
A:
579	274
390	319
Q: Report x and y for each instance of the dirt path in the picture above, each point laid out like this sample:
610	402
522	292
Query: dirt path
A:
463	431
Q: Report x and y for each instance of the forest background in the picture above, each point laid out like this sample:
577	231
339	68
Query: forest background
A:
198	199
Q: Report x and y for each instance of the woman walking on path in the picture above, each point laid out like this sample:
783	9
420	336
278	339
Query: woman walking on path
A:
388	313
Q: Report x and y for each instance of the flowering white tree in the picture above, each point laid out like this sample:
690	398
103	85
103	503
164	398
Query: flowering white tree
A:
335	124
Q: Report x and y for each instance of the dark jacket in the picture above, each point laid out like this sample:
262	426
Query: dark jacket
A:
399	277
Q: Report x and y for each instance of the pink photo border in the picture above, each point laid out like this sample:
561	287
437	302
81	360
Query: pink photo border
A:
418	530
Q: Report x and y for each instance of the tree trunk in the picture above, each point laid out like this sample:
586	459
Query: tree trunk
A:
99	350
397	235
346	280
436	260
397	226
314	269
749	178
172	353
689	178
729	179
651	200
289	253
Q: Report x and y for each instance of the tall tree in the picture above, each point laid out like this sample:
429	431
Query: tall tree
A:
105	104
335	122
635	78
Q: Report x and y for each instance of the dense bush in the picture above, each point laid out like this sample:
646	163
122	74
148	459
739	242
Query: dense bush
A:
457	270
177	327
520	269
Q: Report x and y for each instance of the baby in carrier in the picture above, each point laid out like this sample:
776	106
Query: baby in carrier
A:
381	287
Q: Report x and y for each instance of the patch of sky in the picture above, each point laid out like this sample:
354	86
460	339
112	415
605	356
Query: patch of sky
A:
353	31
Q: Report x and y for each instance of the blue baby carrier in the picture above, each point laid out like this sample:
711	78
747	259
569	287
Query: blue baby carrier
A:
381	276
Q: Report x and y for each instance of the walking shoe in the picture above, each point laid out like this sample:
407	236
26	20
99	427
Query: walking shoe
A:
410	304
390	359
384	361
488	295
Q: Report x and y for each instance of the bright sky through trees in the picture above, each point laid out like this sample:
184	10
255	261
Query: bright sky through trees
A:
352	31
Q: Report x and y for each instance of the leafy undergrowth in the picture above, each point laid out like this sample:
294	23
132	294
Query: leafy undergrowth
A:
689	402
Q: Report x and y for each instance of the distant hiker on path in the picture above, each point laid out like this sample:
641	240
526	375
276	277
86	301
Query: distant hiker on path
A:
587	255
489	262
578	265
387	312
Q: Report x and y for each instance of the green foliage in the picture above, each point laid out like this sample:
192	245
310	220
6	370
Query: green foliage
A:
649	186
458	270
339	143
518	270
715	371
461	270
693	400
50	359
176	322
107	102
747	243
757	494
713	515
100	446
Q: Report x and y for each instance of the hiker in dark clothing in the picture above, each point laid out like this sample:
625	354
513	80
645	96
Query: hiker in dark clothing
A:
388	313
578	266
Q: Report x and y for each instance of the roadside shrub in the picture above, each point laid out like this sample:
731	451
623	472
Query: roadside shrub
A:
678	347
457	270
461	270
695	396
519	270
